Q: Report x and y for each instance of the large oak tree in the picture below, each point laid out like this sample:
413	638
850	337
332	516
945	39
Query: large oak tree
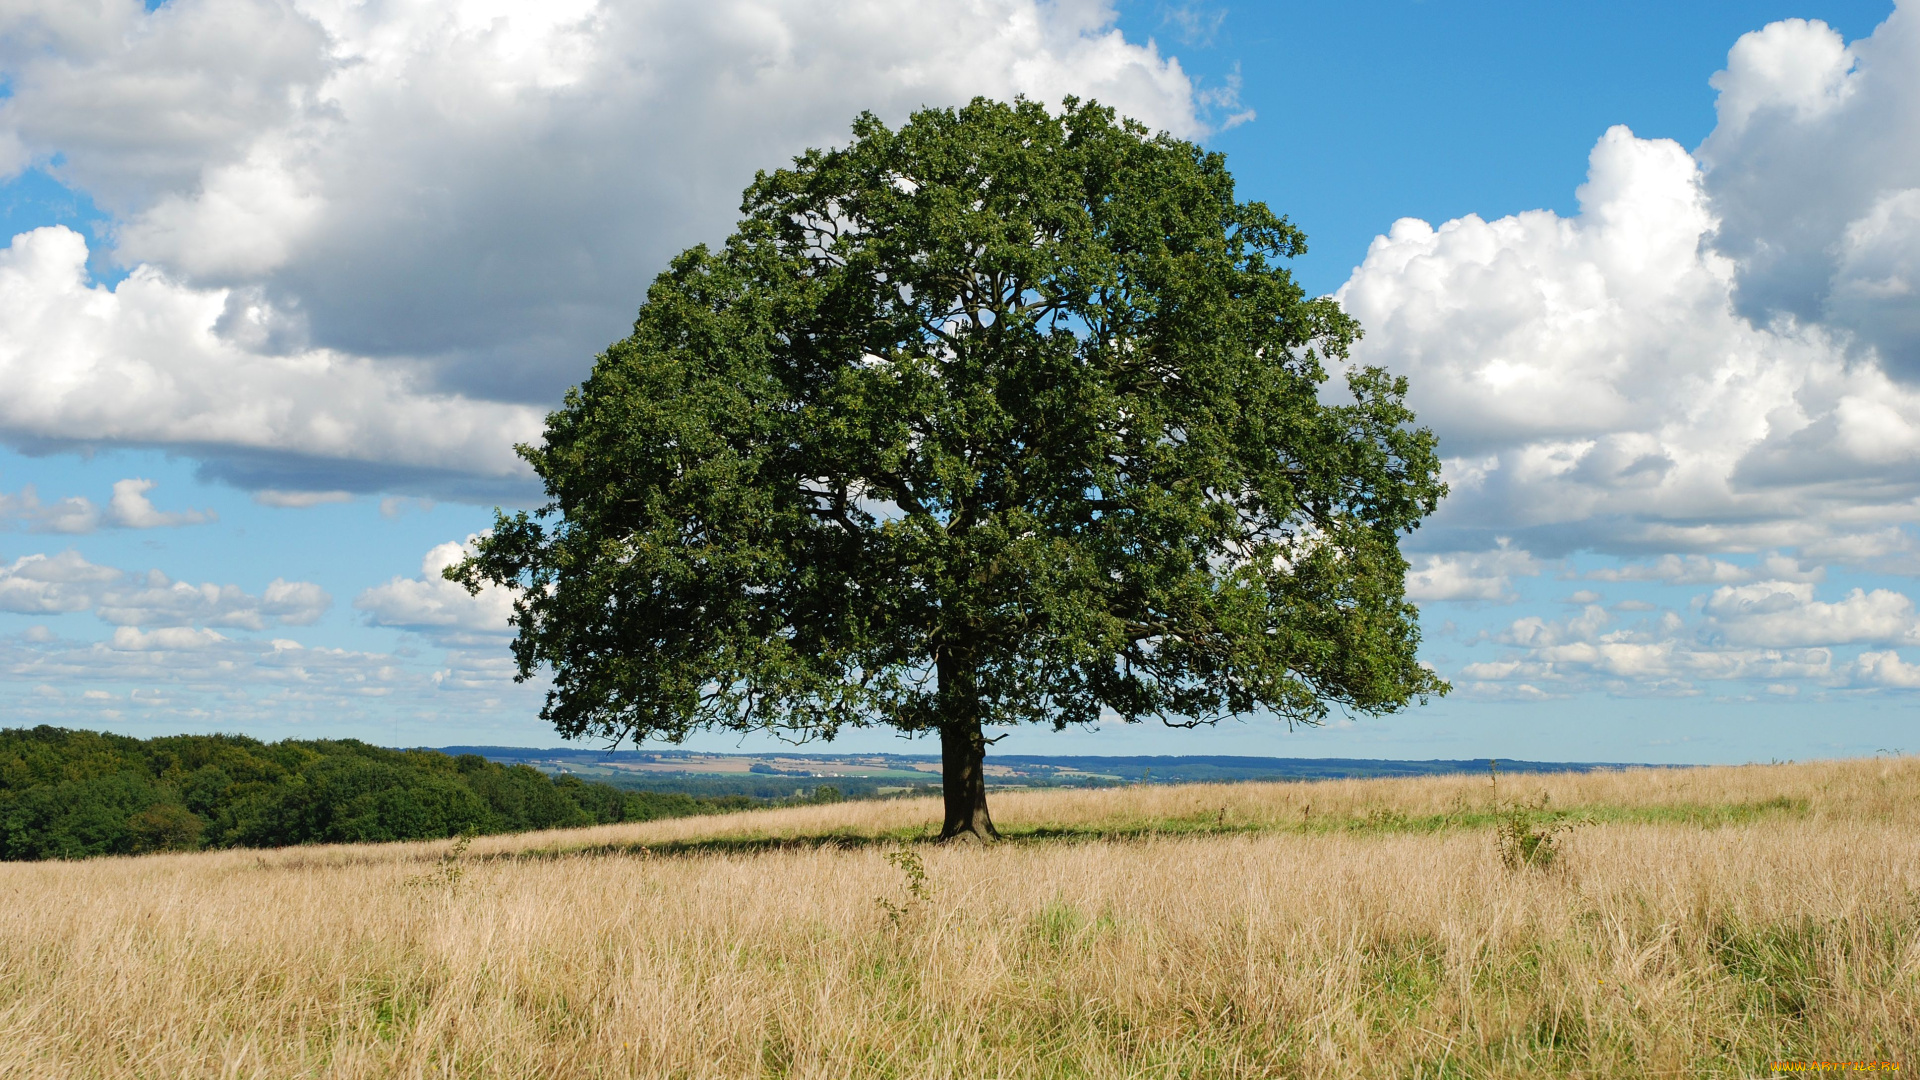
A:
1006	416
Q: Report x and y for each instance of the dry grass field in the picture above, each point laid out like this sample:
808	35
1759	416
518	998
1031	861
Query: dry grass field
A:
1705	922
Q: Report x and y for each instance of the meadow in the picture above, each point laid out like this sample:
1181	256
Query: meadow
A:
1699	922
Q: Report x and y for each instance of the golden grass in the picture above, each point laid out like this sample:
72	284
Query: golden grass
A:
1702	922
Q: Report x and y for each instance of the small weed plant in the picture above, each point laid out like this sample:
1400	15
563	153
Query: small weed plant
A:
1526	834
910	864
452	865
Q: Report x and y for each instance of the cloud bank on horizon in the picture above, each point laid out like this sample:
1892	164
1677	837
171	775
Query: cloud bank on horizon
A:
364	247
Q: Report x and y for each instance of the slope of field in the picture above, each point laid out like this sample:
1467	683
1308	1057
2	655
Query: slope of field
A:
1705	922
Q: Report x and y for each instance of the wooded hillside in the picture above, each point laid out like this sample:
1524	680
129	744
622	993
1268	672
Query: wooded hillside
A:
70	794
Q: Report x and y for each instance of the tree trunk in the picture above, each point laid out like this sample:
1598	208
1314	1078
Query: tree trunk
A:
963	781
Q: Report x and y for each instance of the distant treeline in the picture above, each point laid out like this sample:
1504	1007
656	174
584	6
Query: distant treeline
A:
70	794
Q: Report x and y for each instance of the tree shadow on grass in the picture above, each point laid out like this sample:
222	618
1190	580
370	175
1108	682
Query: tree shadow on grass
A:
716	846
849	841
1210	824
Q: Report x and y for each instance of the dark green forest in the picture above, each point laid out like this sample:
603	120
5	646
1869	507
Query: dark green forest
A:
72	794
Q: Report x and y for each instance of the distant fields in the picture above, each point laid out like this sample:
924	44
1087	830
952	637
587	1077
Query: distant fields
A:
864	775
1697	922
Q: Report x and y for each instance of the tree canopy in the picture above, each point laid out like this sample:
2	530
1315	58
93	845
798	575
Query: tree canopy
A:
1008	415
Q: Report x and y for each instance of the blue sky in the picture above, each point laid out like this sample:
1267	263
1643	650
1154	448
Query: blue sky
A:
287	279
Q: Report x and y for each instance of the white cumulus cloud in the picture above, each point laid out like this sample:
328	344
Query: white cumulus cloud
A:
1886	669
73	514
49	584
194	676
1703	570
1716	354
1777	632
378	232
1595	386
143	363
128	508
432	605
67	582
1814	175
1785	614
158	601
1469	575
166	639
1659	654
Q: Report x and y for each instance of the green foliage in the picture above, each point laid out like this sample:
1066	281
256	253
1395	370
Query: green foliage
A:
452	865
1003	416
166	827
1527	834
70	794
919	890
1526	839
